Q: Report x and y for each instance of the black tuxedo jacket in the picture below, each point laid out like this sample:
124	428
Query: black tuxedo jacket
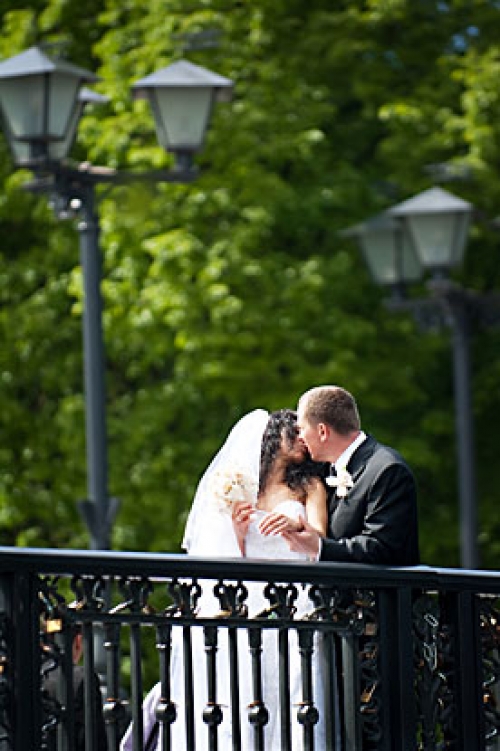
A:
377	521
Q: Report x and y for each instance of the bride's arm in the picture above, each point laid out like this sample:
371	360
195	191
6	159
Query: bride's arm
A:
316	513
316	508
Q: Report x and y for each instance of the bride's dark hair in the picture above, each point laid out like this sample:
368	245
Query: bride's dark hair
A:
283	424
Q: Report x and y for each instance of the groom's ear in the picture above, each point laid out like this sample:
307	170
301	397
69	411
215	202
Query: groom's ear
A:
323	431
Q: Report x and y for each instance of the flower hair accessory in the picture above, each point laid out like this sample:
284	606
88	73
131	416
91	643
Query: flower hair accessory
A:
230	486
342	482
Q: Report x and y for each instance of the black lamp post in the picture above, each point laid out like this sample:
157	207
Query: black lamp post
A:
428	233
41	102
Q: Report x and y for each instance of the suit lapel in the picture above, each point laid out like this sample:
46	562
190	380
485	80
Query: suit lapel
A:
355	466
358	461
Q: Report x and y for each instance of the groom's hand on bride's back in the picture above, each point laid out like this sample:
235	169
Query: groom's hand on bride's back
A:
304	540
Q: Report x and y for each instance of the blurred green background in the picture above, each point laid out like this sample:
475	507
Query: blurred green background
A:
236	291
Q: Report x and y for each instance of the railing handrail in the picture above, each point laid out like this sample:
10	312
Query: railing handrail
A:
417	646
116	563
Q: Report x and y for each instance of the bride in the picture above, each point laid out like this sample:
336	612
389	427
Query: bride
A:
287	488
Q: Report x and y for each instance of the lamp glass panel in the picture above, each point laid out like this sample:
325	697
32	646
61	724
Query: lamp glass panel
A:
461	234
182	116
435	237
22	102
379	251
390	256
58	150
62	103
411	268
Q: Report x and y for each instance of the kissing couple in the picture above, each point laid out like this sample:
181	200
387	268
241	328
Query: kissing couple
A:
288	485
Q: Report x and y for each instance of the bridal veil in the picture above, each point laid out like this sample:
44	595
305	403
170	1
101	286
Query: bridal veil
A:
209	531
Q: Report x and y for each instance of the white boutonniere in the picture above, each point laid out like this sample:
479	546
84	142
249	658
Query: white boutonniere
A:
342	482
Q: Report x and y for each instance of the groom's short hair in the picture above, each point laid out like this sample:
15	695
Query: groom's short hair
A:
332	405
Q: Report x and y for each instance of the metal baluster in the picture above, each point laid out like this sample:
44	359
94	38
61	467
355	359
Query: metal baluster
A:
54	687
350	649
232	600
284	688
307	714
66	729
136	686
330	689
282	605
258	714
234	688
166	712
114	711
212	714
185	596
188	687
327	600
89	687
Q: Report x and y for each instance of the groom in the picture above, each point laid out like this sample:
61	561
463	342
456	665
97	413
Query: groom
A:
373	504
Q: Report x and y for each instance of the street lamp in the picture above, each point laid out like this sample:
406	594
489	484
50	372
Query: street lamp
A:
41	102
388	252
428	233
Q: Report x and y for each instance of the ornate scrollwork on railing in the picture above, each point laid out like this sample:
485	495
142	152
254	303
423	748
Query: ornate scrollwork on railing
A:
232	599
446	701
232	616
136	591
61	619
434	666
428	680
282	599
489	615
52	604
344	609
369	668
53	646
354	613
327	602
185	596
52	709
52	607
90	593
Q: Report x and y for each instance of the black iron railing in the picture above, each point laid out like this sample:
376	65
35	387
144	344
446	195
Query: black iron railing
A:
410	657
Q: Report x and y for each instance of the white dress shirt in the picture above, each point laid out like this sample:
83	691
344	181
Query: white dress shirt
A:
342	463
345	456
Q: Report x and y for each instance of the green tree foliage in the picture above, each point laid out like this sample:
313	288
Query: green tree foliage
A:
237	291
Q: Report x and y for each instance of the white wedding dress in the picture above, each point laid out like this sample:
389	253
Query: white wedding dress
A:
257	546
210	534
275	548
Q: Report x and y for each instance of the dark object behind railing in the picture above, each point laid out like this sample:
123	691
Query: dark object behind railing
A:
416	651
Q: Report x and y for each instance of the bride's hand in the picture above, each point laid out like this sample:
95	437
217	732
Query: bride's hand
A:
277	524
241	514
